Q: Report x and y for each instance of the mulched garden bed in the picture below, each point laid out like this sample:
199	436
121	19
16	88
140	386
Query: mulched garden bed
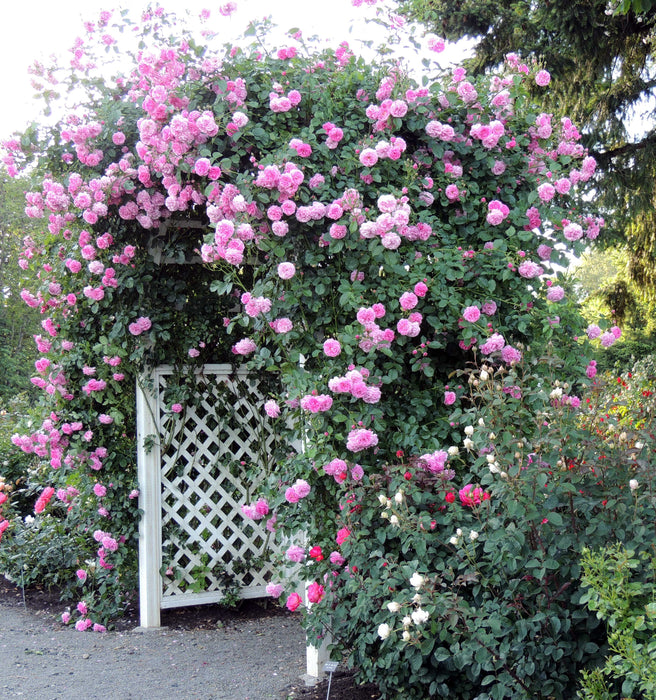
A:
342	687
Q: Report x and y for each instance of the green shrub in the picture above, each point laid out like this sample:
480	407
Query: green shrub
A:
498	583
621	590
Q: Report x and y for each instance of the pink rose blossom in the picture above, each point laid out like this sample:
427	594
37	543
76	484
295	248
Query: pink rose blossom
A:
293	602
360	439
408	328
315	592
546	191
357	472
544	252
489	308
421	289
336	558
555	293
244	347
275	590
295	553
368	157
528	269
607	339
593	331
471	495
408	301
573	232
493	344
342	535
543	78
271	408
471	314
286	270
332	348
510	354
281	325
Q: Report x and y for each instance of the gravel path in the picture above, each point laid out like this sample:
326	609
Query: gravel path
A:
243	660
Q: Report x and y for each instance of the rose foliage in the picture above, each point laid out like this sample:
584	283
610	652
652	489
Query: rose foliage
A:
361	239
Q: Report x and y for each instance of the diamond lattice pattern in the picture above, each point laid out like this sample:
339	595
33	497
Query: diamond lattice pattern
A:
205	538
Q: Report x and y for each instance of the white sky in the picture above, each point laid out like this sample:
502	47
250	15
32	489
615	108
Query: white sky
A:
35	29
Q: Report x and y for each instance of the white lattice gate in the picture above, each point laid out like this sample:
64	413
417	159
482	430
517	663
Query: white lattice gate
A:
193	536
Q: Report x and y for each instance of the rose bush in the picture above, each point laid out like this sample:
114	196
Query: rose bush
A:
360	239
461	574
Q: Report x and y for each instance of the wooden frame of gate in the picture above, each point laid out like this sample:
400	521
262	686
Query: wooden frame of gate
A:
191	500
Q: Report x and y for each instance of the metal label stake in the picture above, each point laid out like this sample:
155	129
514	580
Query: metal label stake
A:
329	668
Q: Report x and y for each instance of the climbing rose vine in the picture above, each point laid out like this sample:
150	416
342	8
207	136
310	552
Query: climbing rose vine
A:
327	222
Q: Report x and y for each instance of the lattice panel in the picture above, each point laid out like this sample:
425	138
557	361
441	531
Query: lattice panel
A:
204	534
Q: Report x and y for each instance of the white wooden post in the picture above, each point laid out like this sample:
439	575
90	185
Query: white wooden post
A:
316	657
150	526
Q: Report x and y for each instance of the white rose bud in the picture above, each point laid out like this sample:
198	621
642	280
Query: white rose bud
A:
484	376
406	621
633	484
468	444
406	636
420	616
394	607
481	422
398	497
453	540
453	450
384	630
416	580
473	535
394	520
469	430
382	499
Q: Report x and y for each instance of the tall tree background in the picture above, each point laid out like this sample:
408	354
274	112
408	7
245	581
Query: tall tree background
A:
18	322
601	57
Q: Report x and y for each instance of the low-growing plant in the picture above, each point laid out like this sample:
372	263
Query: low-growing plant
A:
621	589
40	550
